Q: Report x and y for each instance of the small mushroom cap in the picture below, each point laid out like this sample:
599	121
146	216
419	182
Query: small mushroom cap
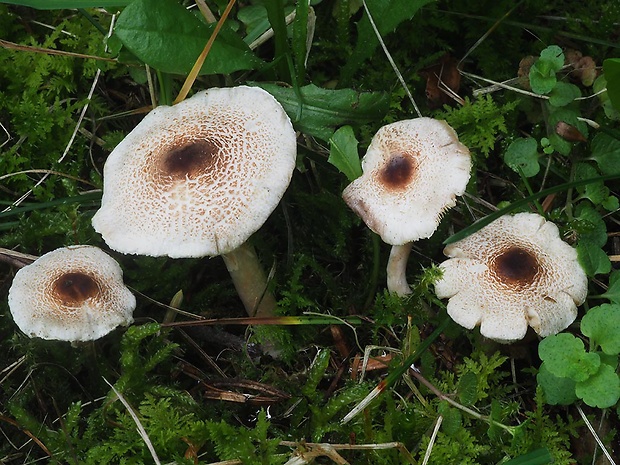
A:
515	272
71	294
198	178
413	171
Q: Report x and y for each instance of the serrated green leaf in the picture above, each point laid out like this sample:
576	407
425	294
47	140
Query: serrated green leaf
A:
600	390
606	153
558	391
522	156
343	153
563	93
592	258
452	418
170	38
468	388
566	357
613	290
601	324
611	70
318	112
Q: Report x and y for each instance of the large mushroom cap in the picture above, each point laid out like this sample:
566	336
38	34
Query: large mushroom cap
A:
197	178
413	171
71	294
515	272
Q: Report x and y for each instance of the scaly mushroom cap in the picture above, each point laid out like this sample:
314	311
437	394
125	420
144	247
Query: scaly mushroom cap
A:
510	274
71	294
413	171
197	178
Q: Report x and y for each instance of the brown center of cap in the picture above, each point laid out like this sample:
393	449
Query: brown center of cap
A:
398	172
190	159
516	266
74	288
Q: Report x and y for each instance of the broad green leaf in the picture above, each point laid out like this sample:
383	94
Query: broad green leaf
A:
468	388
592	258
387	15
602	325
343	153
589	225
59	4
601	390
611	70
613	290
318	112
452	419
606	153
537	457
600	88
522	156
596	192
563	93
558	391
566	357
170	38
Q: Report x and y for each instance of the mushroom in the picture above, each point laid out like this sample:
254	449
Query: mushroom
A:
515	272
412	172
199	178
71	294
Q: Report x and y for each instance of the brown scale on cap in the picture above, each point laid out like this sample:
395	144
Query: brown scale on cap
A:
72	289
398	172
515	267
190	159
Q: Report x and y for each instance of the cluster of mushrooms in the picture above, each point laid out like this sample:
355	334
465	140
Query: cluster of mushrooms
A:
199	178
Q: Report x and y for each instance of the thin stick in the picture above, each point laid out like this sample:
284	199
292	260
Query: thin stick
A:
67	148
596	438
193	74
431	443
48	51
389	57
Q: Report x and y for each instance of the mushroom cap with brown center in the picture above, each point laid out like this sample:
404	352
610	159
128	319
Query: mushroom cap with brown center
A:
71	294
515	272
413	171
197	178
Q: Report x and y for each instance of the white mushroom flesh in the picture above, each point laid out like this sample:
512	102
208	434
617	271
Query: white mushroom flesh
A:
197	178
412	172
71	294
515	272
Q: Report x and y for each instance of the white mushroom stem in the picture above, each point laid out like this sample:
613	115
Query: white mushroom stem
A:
397	269
250	281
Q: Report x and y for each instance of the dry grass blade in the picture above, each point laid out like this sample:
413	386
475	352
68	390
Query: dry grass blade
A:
48	51
193	74
595	435
141	430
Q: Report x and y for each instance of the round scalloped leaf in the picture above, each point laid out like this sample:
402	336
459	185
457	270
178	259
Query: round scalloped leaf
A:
601	325
522	155
563	93
566	357
558	391
601	390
